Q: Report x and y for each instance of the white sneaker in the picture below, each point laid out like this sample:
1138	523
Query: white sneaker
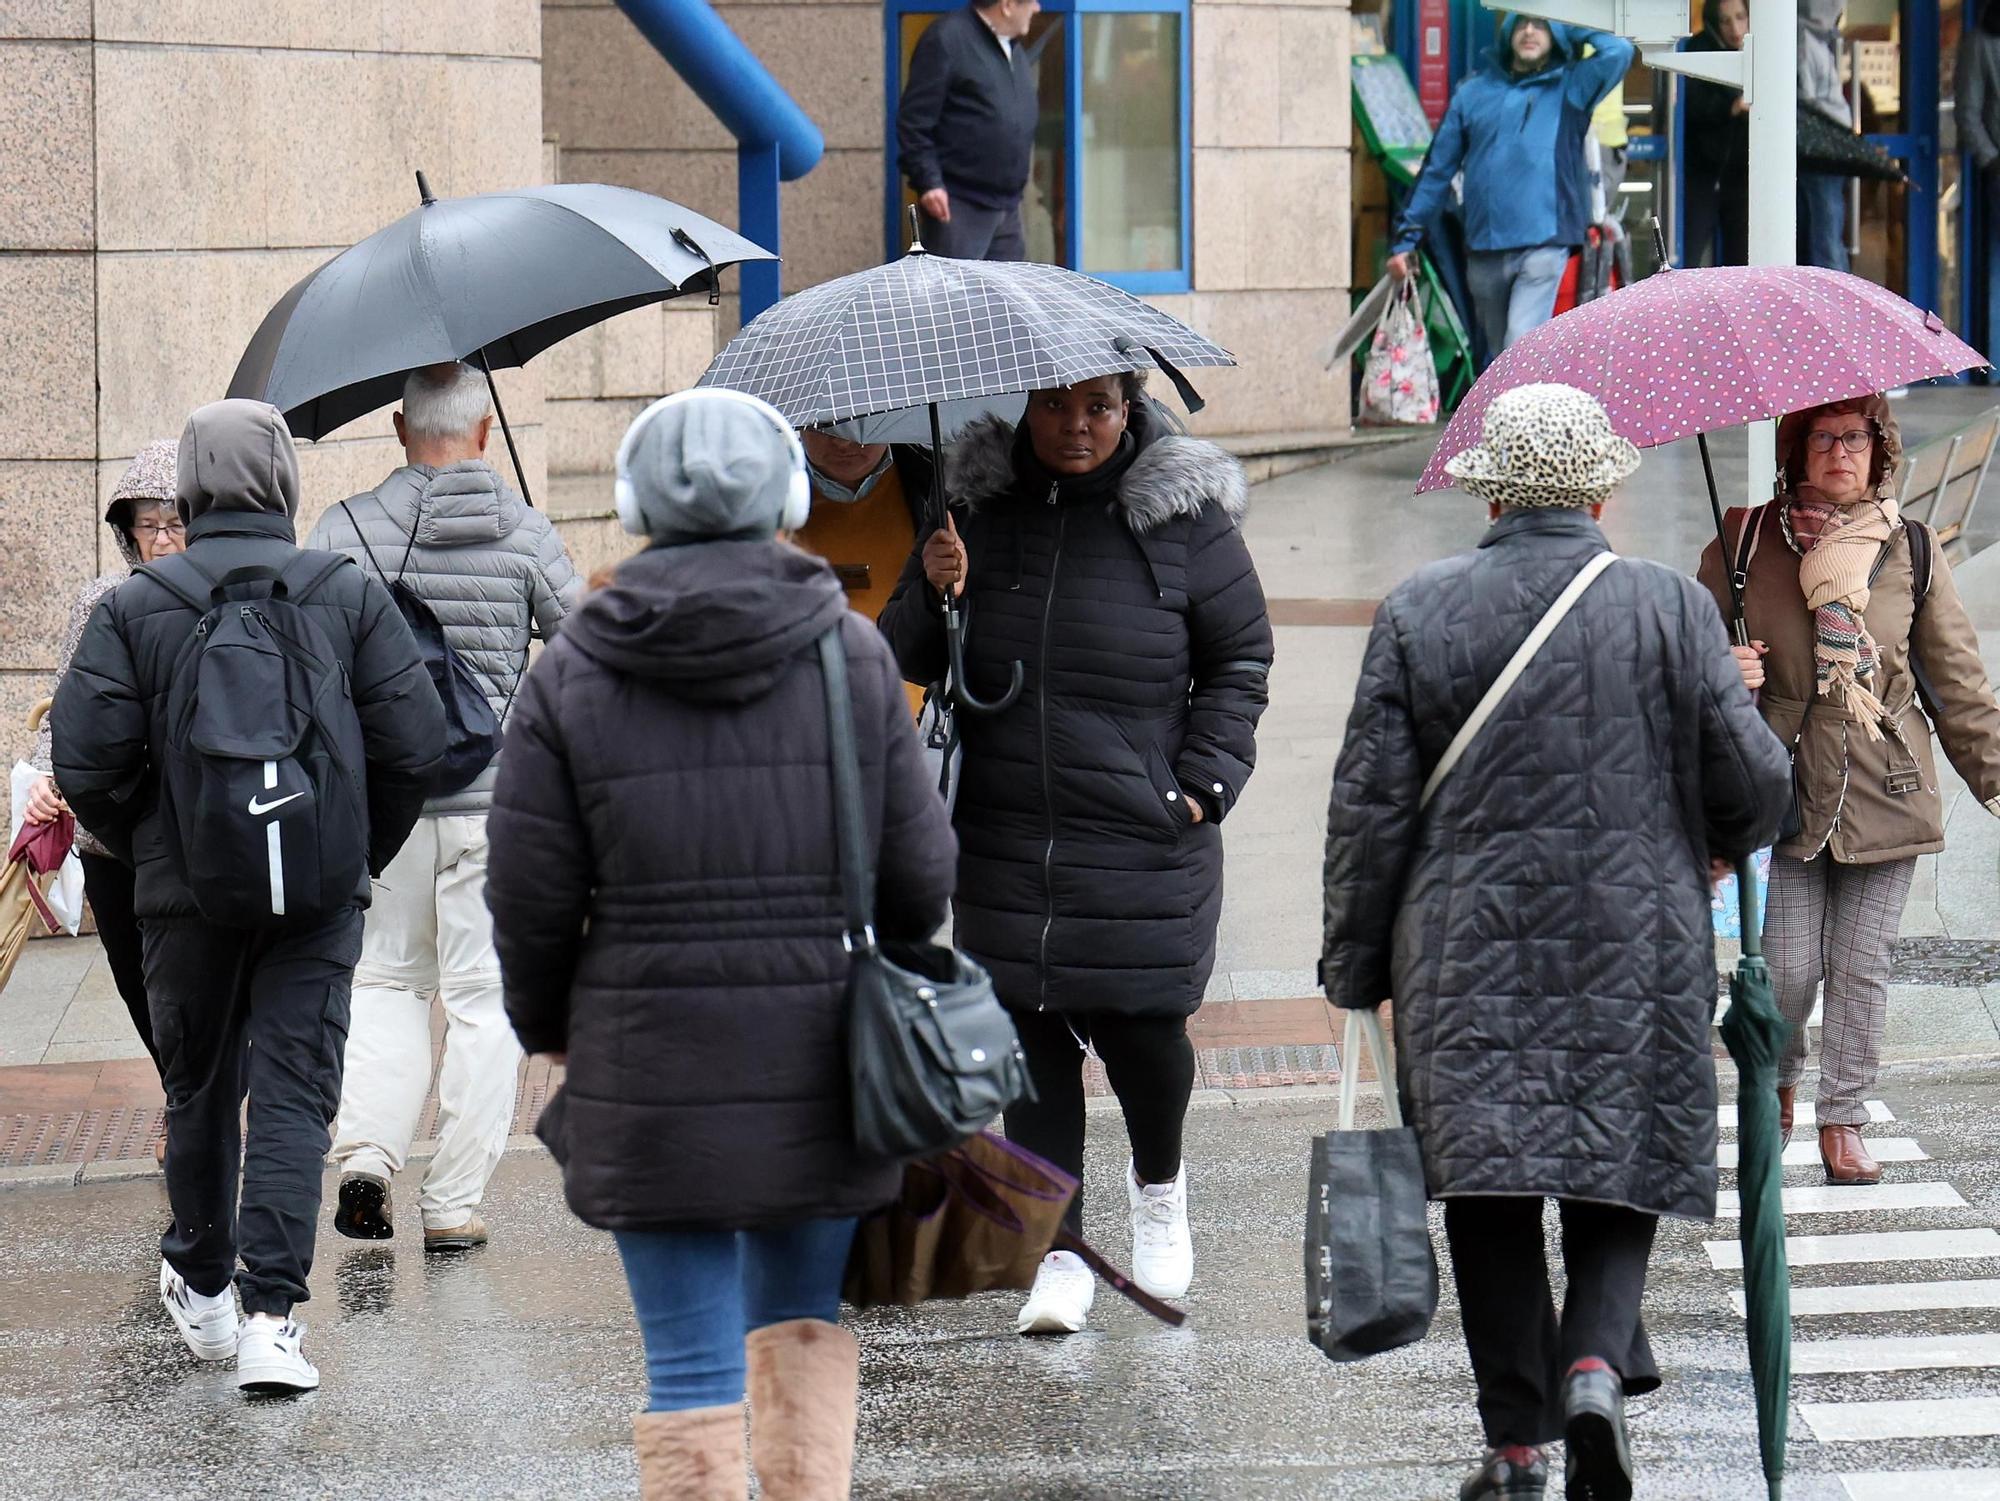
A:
1060	1300
1162	1248
268	1357
207	1324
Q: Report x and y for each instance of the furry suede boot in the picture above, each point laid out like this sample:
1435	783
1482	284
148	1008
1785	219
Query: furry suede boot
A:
803	1379
694	1455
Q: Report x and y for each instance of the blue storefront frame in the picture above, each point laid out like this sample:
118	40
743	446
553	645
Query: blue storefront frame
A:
1139	283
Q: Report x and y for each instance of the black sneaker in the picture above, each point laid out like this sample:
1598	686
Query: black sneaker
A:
1515	1472
364	1211
1597	1456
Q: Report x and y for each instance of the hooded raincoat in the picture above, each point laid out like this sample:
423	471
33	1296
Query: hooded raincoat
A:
665	887
1518	139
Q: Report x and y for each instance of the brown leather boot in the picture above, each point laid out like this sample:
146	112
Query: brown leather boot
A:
804	1375
1846	1156
696	1455
1786	1095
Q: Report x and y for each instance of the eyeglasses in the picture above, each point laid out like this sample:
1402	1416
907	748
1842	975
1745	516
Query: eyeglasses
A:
158	529
1854	440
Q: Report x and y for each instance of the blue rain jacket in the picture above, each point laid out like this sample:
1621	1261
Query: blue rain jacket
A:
1519	141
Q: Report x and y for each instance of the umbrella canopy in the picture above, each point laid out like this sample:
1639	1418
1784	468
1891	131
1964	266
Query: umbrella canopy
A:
913	424
496	278
927	329
1827	146
1686	352
1754	1033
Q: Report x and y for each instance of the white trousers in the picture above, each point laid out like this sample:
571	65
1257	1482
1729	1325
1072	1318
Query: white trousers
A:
429	933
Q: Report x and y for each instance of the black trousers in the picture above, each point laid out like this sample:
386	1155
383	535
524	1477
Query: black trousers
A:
1520	1351
1150	1064
262	1015
108	883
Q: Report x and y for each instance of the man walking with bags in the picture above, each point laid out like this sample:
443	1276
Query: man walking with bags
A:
492	572
1519	849
252	727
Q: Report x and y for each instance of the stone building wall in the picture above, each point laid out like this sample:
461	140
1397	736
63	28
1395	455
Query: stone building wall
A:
167	169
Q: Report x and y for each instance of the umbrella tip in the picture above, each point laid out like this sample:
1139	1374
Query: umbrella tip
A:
916	233
1659	238
424	190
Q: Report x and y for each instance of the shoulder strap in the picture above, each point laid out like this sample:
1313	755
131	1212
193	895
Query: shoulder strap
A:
1746	544
363	536
1511	673
159	574
856	879
304	574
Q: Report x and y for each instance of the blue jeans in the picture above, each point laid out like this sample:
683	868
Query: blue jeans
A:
1514	291
1823	220
698	1292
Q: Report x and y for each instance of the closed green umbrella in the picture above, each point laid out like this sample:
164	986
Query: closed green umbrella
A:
1755	1034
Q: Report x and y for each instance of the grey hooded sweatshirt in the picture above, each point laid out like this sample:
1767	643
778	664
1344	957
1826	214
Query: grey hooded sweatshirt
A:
491	568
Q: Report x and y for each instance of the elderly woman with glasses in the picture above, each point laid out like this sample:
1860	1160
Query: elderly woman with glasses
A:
145	524
1860	649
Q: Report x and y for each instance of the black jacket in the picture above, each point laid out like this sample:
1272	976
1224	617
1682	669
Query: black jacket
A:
1544	927
1140	624
663	880
111	705
966	122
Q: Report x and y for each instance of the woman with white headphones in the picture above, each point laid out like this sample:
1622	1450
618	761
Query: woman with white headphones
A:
666	902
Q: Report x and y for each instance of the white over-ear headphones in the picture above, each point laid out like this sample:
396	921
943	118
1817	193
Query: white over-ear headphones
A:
798	497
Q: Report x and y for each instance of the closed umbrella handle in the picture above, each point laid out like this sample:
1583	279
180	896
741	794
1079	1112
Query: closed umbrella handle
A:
954	635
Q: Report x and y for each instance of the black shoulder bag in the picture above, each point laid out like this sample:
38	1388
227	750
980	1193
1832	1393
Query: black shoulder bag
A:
932	1054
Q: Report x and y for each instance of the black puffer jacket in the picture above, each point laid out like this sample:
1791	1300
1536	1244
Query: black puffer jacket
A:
239	502
665	895
1140	624
1544	927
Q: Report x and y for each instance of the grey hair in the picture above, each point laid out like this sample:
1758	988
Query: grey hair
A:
445	401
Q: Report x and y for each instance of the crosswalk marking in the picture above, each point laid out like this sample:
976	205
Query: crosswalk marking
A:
1932	1485
1852	1199
1927	1417
1805	1115
1806	1153
1888	1297
1944	1352
1851	1250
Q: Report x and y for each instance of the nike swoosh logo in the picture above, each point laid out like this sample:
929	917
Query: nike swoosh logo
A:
258	807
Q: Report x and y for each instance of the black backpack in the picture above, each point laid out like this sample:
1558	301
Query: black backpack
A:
472	732
262	761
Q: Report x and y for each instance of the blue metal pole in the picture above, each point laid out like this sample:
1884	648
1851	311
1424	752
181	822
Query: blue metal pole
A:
757	209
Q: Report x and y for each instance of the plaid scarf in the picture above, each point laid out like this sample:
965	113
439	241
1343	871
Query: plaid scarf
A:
1838	547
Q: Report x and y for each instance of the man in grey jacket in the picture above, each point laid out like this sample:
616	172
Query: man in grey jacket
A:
494	572
1822	195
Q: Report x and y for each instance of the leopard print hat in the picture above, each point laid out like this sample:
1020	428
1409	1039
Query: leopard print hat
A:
1545	446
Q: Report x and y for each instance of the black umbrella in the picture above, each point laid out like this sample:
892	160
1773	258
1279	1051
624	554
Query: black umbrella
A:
1825	145
494	280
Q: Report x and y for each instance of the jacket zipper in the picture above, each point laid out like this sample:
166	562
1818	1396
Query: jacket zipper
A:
1048	783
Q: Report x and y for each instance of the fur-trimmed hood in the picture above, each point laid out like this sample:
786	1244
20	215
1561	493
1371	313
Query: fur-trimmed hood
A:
1172	478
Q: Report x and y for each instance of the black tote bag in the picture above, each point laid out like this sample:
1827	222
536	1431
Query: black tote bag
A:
1371	1275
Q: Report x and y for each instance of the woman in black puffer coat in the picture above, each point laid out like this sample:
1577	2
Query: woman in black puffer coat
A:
1106	558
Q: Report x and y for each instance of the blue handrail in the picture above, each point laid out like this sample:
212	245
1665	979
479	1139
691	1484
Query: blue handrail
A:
776	141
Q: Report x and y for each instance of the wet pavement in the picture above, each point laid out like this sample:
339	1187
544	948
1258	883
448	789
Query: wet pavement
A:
511	1371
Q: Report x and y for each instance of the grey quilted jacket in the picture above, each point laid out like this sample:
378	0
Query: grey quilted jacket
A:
492	568
1543	928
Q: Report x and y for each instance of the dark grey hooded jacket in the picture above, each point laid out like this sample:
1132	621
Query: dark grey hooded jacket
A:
239	490
1543	928
491	567
1139	622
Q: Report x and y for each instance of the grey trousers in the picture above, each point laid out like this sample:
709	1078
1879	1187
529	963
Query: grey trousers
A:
1833	924
977	234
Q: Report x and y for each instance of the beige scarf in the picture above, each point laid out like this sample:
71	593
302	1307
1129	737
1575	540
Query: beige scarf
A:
1838	548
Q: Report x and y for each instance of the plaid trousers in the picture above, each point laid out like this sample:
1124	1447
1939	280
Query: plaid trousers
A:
1833	924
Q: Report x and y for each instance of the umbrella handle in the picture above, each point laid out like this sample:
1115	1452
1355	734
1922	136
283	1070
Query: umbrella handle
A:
954	635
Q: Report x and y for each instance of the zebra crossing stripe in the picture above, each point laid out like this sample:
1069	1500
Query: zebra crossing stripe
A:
1853	1250
1805	1115
1852	1199
1923	1417
1933	1485
1944	1352
1806	1153
1887	1297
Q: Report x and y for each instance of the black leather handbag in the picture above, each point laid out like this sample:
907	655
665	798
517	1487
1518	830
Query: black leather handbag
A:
932	1054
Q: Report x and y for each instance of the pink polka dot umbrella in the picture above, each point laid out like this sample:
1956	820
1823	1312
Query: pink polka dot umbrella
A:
1687	352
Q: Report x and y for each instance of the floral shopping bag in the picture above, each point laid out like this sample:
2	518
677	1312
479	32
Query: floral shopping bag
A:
1726	904
1399	384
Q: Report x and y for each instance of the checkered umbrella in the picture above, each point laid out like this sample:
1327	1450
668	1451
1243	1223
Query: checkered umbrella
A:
927	329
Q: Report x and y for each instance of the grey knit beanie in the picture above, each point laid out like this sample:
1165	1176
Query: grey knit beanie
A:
708	465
